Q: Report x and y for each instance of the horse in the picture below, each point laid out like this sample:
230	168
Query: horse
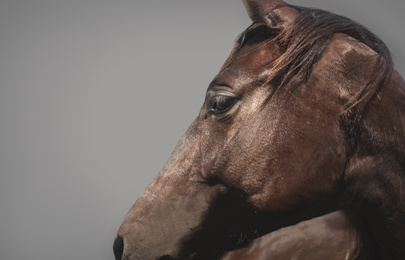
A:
298	151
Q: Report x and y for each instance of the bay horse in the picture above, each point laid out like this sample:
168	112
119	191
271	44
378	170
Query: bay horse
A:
298	151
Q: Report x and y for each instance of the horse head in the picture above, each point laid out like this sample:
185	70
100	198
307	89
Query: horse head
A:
305	117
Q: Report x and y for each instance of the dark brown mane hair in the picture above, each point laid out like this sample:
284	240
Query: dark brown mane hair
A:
305	41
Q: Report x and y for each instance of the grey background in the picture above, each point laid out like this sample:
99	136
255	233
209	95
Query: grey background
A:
94	95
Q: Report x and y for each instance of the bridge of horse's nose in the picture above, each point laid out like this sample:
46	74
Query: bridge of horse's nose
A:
118	247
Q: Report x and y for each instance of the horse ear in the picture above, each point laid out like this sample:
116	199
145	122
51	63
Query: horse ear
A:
275	13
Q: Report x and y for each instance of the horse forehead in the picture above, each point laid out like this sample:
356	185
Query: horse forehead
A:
248	63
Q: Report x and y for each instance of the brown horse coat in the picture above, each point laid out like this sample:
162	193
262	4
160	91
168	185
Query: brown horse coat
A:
305	118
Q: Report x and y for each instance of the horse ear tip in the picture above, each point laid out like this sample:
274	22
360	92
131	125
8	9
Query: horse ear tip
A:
271	12
248	6
256	9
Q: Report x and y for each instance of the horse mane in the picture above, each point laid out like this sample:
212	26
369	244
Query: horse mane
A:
305	41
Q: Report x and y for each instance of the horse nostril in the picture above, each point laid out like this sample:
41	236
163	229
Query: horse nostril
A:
118	247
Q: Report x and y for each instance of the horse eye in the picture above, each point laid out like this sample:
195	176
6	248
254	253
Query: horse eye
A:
220	104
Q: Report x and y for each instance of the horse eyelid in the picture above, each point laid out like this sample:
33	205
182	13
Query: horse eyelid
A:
214	104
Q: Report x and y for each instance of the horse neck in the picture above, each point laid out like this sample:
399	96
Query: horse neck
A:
375	173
